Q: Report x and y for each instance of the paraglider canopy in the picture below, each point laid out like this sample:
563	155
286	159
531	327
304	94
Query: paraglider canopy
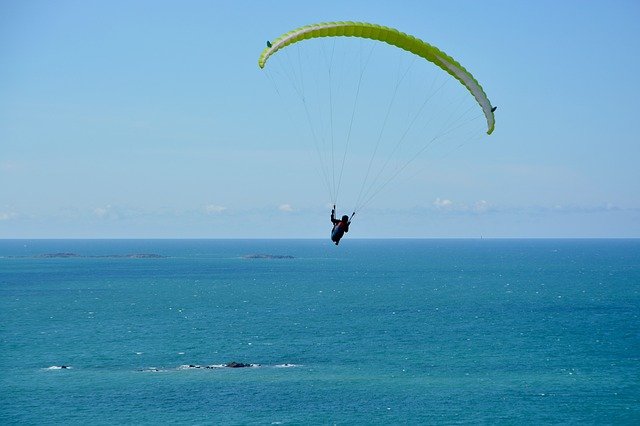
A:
395	38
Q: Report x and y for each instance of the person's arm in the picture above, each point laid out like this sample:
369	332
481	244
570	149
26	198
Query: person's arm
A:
333	215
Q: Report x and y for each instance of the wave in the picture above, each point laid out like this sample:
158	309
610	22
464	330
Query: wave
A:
59	367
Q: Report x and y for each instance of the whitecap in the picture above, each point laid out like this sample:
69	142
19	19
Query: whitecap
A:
58	367
198	366
189	366
287	365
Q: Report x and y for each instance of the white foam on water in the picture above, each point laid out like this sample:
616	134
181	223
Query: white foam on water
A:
202	367
153	370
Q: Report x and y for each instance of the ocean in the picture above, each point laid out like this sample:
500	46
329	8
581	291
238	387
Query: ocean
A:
371	332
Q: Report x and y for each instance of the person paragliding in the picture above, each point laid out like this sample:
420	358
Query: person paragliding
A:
340	226
341	111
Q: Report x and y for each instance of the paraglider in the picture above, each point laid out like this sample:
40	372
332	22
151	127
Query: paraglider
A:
325	132
340	226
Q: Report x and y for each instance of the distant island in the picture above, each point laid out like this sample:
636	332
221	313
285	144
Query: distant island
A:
267	256
57	255
66	255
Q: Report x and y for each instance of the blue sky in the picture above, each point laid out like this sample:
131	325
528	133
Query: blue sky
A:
152	119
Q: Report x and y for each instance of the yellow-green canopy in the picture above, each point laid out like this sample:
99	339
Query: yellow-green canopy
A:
393	37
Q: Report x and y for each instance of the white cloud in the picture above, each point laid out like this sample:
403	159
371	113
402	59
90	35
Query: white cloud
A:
481	206
100	211
440	203
7	215
212	208
285	208
105	212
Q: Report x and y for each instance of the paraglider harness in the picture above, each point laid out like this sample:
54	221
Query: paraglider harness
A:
339	226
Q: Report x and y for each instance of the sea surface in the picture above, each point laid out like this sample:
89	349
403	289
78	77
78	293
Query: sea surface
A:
370	332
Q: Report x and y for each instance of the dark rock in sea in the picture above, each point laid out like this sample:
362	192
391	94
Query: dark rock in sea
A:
267	256
238	365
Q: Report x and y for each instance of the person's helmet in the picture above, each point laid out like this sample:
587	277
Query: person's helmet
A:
345	218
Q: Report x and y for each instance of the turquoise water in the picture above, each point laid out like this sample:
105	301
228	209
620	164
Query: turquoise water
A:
371	332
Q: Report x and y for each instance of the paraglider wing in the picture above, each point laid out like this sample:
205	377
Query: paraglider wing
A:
395	38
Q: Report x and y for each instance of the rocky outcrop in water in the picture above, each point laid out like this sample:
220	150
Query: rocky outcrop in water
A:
66	255
57	255
237	365
267	256
232	364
